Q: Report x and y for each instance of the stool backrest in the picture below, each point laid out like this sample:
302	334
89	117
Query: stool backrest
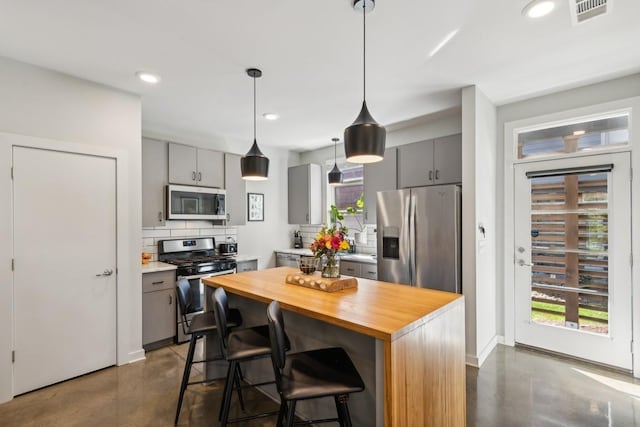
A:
185	298
221	312
277	336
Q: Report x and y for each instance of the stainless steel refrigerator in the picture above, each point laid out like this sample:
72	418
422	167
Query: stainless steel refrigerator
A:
419	237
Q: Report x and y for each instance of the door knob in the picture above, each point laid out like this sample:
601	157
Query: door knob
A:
106	272
522	263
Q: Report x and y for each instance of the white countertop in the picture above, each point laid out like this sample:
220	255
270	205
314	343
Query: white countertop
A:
364	258
155	266
292	251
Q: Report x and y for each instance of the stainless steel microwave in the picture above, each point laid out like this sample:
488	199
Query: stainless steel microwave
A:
189	202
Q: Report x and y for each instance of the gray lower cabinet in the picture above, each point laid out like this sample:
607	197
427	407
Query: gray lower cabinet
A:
287	260
236	197
158	308
433	162
155	177
249	265
195	166
305	194
359	269
350	268
379	176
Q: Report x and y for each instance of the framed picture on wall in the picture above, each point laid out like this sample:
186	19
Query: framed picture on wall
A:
255	206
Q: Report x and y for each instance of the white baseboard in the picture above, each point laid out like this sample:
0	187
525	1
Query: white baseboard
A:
134	356
477	361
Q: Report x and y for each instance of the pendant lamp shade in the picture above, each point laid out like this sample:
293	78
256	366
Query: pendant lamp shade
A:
254	166
364	140
335	176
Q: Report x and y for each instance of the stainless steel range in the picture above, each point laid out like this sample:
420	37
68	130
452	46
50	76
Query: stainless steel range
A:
196	259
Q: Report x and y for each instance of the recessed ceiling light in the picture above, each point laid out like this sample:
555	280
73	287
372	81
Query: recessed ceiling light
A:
270	116
148	77
538	8
444	41
578	133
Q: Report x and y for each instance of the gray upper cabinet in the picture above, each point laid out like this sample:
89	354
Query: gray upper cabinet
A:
447	154
155	164
379	176
211	168
195	166
236	190
437	161
305	194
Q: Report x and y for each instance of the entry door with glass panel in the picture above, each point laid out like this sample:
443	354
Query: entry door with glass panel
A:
573	257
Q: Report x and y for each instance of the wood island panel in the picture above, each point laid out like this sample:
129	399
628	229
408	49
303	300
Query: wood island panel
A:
422	331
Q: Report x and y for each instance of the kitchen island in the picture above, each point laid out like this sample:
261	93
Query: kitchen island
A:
415	372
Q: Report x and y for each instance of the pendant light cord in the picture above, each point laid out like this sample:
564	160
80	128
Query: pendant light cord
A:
254	108
364	50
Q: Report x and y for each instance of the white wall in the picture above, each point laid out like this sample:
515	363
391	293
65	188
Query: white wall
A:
263	237
41	103
585	96
479	281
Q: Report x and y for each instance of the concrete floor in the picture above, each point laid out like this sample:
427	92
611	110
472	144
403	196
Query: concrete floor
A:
515	387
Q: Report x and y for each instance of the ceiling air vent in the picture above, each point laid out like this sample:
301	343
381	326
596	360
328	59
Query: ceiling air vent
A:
583	10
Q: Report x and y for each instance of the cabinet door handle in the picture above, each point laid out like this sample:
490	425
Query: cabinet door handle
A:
437	174
160	216
158	283
430	175
228	216
193	175
307	217
199	176
170	299
366	215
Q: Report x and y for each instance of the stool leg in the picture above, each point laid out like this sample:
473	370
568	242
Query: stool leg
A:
224	393
236	380
346	417
186	374
283	410
226	402
291	415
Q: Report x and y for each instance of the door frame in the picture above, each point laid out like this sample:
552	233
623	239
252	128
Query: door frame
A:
630	105
124	265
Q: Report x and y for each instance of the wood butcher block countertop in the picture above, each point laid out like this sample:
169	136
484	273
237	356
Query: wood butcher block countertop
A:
421	331
379	309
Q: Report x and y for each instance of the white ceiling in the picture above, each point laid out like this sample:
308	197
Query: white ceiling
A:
311	56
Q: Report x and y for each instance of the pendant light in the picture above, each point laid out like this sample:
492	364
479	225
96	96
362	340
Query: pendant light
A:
335	176
254	165
364	140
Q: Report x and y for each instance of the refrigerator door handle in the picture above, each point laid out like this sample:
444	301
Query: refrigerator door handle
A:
412	240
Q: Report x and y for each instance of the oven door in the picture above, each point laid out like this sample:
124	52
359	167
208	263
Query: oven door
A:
198	295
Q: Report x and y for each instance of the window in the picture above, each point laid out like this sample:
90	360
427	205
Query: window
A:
574	137
346	194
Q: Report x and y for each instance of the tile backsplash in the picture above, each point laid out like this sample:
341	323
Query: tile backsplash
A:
179	229
309	233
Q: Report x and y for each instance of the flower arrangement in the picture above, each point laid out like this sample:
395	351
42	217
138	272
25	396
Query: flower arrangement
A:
327	243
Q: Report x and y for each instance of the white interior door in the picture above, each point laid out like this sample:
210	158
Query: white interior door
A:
573	257
64	224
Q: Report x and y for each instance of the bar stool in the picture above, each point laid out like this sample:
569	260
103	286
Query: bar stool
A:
310	374
200	325
238	346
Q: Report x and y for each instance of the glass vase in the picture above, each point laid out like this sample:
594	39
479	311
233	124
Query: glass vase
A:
331	267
